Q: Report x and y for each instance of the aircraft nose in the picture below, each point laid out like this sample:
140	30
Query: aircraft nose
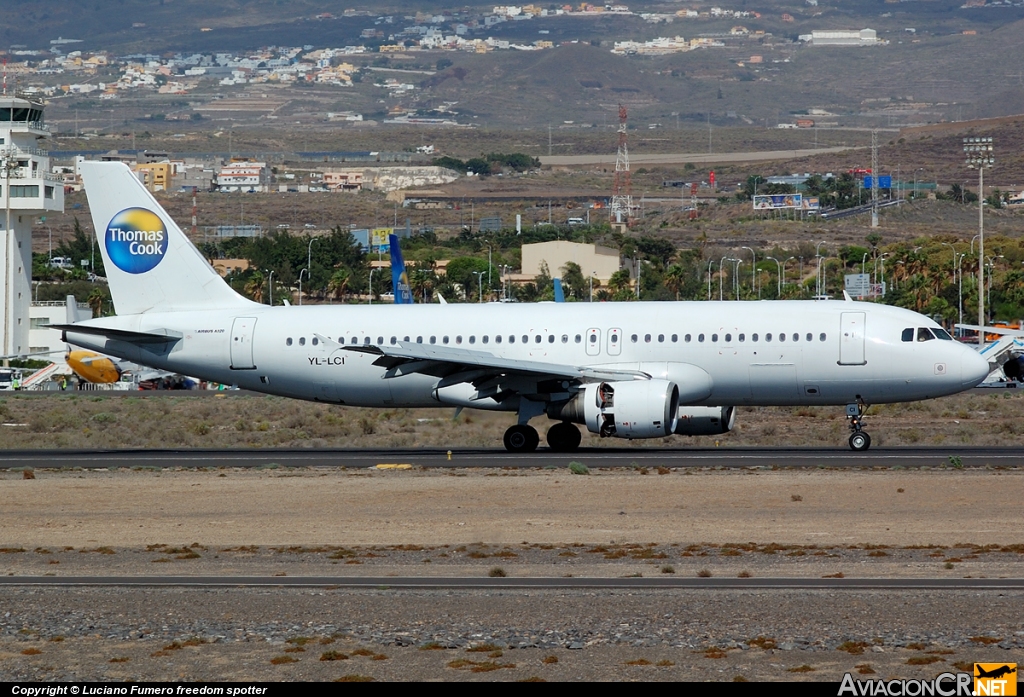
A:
973	368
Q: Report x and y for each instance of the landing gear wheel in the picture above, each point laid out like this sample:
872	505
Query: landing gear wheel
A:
860	441
564	437
521	439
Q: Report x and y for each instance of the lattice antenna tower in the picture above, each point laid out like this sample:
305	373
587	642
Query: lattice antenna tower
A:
622	193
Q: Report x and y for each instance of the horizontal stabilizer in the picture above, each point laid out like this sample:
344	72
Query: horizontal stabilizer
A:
118	334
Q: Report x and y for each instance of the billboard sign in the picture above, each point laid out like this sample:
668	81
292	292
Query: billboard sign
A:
775	202
884	181
858	284
811	203
379	238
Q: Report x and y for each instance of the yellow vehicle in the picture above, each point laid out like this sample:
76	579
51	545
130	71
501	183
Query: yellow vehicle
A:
92	367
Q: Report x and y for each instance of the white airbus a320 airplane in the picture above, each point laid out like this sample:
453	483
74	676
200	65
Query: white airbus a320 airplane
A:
624	370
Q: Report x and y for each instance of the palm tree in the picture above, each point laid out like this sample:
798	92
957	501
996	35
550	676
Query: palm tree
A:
675	279
254	287
96	302
338	285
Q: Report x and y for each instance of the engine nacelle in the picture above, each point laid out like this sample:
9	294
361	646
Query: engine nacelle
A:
705	421
633	409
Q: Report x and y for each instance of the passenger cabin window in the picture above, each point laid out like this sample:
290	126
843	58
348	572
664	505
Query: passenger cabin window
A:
315	341
526	339
700	338
536	338
458	339
511	339
743	337
821	337
394	340
419	340
302	341
686	338
661	338
497	338
782	337
634	338
551	338
924	334
810	337
433	339
579	338
767	337
796	337
484	338
675	338
472	339
565	338
728	338
753	337
288	341
380	340
444	340
647	338
714	337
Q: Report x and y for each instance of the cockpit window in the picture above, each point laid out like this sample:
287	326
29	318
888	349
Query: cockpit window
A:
924	334
908	334
942	334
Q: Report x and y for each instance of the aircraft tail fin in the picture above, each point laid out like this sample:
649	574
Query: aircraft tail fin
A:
559	293
72	315
150	264
399	278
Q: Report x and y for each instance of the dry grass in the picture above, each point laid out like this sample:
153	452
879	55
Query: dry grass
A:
242	421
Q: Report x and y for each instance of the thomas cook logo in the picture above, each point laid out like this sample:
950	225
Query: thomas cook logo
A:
995	679
136	240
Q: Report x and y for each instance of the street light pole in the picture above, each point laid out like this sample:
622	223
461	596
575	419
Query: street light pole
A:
309	265
753	269
371	285
979	153
480	283
300	285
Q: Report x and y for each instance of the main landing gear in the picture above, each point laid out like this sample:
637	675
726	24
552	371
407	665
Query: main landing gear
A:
562	438
521	438
859	439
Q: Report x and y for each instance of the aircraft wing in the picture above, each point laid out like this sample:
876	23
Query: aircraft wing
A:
447	362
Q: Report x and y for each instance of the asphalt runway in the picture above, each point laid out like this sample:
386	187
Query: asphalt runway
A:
392	582
737	458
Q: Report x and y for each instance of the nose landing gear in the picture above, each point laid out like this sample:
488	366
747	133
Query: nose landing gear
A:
859	439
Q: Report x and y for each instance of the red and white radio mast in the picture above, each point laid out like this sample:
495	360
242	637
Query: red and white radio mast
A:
622	193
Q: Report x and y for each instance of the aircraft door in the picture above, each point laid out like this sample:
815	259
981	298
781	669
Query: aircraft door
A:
851	338
593	342
614	342
241	343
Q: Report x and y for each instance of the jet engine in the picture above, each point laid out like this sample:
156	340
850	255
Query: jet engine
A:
633	409
705	421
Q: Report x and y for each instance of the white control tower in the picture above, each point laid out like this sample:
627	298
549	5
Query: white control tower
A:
27	190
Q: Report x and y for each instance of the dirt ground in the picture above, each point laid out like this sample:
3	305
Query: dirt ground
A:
243	420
